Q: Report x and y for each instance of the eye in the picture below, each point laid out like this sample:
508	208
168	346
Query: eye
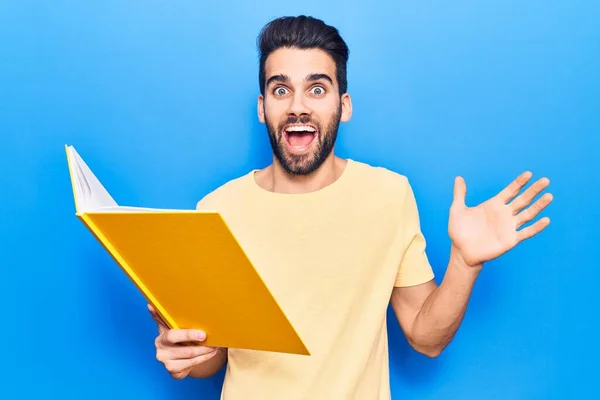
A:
280	91
318	91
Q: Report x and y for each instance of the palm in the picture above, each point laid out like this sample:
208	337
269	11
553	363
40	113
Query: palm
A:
490	229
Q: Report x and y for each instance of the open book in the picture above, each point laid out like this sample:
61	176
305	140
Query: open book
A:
188	265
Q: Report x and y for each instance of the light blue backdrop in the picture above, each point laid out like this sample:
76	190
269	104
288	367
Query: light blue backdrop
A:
159	98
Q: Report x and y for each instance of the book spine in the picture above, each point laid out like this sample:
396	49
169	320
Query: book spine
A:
128	270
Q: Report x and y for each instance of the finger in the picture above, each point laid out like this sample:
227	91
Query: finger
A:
180	367
180	336
460	190
524	199
533	229
162	329
530	213
188	352
157	318
160	322
510	191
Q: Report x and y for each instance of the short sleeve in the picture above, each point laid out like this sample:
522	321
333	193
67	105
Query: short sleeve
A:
414	268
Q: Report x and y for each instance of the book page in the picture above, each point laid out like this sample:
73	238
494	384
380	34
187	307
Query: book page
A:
91	196
90	193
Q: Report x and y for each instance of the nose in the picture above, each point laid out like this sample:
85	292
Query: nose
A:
298	106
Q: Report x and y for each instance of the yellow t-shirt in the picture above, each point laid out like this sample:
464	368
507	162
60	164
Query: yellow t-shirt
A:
331	259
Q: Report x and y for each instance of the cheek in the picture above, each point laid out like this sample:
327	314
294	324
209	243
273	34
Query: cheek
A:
324	111
274	111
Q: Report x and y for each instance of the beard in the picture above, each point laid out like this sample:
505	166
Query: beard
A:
304	164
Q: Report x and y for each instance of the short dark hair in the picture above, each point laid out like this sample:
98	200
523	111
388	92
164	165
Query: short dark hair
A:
303	32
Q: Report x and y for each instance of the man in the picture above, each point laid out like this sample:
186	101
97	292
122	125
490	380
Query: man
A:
337	240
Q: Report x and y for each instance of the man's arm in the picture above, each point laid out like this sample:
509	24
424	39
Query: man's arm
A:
430	315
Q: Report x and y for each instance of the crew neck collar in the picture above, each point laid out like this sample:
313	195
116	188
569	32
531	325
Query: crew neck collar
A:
315	193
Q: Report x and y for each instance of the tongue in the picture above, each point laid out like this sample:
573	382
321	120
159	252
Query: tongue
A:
300	139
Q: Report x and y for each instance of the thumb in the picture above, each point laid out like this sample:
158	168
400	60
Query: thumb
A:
460	190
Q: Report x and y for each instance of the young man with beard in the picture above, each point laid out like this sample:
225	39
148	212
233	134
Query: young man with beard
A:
337	240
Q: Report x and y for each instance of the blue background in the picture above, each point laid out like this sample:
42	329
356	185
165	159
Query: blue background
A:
160	100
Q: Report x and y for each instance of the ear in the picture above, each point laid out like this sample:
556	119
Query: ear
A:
346	108
261	109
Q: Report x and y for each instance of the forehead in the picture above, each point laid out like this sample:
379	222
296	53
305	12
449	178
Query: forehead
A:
298	63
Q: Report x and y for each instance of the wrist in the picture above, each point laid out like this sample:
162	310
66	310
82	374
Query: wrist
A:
458	262
210	367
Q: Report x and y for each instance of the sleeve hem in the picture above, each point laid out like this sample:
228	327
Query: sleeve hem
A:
414	281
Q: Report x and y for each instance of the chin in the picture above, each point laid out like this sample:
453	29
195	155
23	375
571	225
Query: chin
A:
301	164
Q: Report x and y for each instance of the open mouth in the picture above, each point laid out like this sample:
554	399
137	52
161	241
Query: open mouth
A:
300	137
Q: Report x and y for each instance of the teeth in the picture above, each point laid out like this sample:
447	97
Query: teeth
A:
300	128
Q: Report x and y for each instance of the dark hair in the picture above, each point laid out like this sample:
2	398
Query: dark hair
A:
303	32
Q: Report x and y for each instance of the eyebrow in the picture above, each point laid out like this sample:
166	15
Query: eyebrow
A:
310	78
318	77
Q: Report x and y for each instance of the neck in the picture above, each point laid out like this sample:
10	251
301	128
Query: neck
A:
275	179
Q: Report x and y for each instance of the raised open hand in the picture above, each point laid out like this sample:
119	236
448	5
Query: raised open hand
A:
490	229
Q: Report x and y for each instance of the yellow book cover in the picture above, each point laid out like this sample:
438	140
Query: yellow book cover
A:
188	265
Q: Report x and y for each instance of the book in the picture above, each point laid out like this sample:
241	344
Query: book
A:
188	265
